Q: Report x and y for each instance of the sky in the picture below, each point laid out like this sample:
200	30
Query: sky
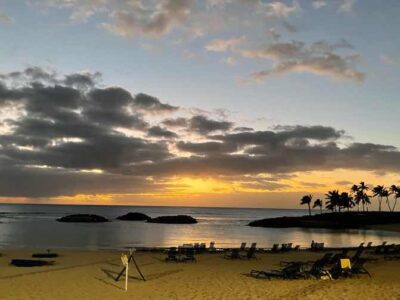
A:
247	103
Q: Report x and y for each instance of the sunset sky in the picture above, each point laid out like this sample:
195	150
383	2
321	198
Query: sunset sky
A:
246	103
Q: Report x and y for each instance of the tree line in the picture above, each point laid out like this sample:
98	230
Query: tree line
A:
358	196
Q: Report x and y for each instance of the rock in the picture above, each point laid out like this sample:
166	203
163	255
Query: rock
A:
82	218
134	216
180	219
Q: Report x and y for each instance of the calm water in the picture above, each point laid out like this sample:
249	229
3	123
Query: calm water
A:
34	226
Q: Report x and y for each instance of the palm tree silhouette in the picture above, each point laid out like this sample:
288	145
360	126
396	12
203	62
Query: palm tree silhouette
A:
354	191
307	200
378	192
346	201
333	200
395	190
385	193
318	203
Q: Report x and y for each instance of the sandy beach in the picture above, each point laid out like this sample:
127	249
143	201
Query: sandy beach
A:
89	275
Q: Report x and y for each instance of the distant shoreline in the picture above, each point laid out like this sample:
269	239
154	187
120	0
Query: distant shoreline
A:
338	220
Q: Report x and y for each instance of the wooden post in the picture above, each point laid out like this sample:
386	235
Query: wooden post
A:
125	262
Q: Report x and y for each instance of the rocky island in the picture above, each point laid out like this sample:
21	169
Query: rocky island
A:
179	219
82	218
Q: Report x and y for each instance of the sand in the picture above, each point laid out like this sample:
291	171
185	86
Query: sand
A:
89	275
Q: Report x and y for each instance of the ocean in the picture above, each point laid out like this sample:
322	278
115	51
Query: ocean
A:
35	227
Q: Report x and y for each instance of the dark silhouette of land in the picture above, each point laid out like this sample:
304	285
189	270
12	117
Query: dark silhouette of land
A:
335	220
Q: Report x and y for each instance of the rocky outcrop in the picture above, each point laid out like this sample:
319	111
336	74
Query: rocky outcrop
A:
134	216
179	219
82	218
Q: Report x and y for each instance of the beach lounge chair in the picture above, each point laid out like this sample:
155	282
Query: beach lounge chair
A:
251	253
317	246
233	254
380	249
242	246
394	254
296	248
358	267
30	263
318	267
336	257
286	247
369	245
291	271
359	252
172	255
253	245
189	255
275	248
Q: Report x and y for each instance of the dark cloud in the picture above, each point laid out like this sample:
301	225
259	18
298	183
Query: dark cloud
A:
206	147
157	131
152	104
203	125
177	122
68	124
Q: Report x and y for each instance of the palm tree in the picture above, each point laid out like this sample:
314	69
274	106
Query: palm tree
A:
362	195
365	200
385	193
354	191
333	200
307	200
378	192
395	190
318	203
346	201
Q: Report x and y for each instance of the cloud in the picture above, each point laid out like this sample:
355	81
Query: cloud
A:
203	125
178	122
317	4
154	20
281	10
319	58
5	18
151	104
347	6
223	45
390	60
157	131
67	126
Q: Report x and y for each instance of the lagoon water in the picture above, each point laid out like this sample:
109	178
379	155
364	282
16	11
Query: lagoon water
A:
35	226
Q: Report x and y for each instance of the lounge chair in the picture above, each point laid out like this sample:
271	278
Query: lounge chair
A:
286	247
172	255
253	245
251	253
380	249
189	255
317	246
359	252
394	254
291	271
233	254
336	257
296	248
242	246
358	267
30	263
318	267
275	248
